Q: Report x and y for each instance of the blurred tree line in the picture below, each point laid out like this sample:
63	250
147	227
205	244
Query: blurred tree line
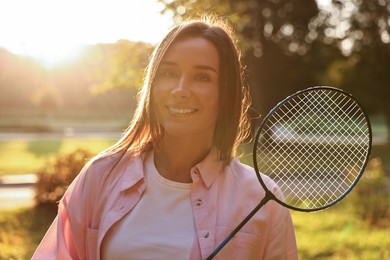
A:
81	88
293	44
287	45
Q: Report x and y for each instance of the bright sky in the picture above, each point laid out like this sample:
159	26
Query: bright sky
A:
54	30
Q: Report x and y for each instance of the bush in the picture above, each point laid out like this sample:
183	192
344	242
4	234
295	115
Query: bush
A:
371	195
55	178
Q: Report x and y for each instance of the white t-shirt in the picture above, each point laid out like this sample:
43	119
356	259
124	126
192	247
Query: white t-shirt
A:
161	226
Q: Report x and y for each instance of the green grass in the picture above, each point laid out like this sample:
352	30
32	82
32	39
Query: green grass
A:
28	156
334	233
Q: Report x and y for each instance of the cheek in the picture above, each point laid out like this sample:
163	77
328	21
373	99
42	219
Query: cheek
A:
212	97
214	105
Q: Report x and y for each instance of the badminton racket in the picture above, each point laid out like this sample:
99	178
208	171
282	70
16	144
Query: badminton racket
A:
314	145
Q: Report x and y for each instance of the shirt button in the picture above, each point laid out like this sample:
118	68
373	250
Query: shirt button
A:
198	202
206	235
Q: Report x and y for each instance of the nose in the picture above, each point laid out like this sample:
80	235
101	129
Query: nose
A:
181	89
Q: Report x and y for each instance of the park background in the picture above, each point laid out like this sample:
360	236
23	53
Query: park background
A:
52	110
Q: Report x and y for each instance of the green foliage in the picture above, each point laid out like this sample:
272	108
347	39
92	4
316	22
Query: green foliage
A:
282	22
116	68
21	230
372	195
124	66
55	178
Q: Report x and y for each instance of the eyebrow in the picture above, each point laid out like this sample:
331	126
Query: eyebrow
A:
201	67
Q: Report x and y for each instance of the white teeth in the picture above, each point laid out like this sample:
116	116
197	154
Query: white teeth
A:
181	110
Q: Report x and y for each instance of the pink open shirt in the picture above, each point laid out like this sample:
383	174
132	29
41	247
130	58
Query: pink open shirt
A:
221	199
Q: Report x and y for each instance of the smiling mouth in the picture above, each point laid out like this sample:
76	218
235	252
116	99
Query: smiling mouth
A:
181	111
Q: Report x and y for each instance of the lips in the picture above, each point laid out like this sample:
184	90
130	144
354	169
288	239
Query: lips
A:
181	111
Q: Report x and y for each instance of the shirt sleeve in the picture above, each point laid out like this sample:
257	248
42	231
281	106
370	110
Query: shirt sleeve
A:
65	237
282	242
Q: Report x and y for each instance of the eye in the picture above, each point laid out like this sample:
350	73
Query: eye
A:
203	77
167	73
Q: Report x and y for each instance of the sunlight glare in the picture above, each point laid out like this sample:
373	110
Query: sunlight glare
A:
55	31
324	3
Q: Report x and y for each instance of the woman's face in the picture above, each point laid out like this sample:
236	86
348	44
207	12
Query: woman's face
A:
185	91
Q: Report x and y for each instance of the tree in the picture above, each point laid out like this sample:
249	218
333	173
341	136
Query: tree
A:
122	64
361	29
102	83
293	44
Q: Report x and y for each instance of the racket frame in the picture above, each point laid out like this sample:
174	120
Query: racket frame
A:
270	113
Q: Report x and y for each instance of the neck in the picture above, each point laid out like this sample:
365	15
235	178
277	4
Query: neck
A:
176	156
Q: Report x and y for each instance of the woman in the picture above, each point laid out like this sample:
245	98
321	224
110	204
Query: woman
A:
171	187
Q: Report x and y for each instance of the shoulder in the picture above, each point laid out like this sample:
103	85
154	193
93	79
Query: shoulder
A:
247	173
102	165
241	187
101	162
243	178
101	170
247	187
112	168
241	171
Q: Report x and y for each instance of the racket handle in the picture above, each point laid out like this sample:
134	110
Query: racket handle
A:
267	197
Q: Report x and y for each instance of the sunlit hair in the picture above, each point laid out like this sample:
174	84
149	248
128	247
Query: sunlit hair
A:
145	132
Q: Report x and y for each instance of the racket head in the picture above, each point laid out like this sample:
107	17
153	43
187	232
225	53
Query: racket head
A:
314	145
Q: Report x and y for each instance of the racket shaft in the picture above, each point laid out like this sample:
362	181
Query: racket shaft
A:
268	197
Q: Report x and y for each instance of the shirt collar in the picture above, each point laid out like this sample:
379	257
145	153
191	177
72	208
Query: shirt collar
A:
133	171
210	167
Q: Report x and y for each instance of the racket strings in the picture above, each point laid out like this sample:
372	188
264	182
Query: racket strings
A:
313	146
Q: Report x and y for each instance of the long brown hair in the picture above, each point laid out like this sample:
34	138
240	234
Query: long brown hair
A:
144	131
